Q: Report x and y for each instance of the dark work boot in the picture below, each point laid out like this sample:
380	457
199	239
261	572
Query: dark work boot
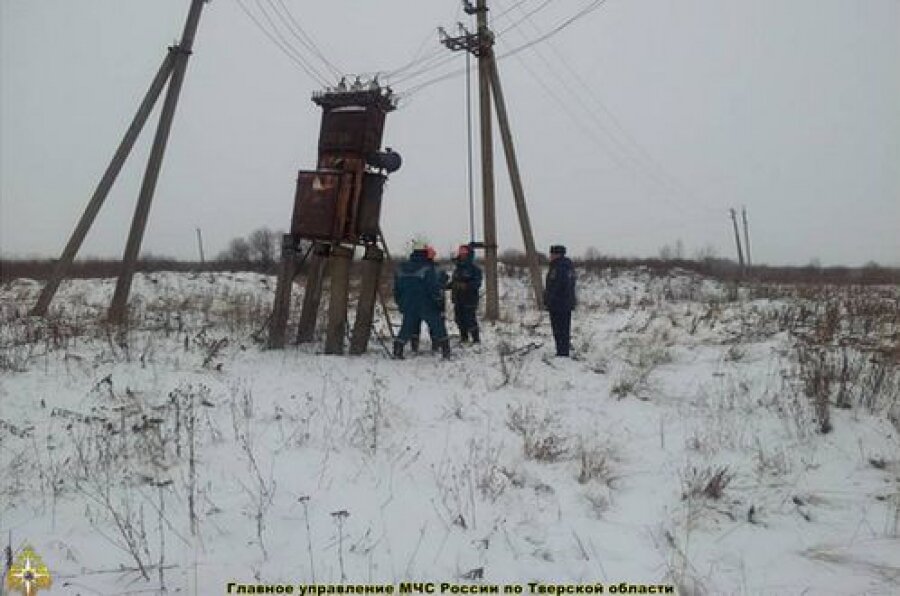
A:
414	344
444	344
476	335
398	350
463	335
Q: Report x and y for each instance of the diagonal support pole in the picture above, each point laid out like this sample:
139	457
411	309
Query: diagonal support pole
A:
118	308
515	179
61	268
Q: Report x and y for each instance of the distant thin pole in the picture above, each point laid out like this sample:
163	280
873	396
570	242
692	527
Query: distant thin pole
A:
746	236
737	240
200	244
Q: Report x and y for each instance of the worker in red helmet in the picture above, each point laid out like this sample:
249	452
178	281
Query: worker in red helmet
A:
465	285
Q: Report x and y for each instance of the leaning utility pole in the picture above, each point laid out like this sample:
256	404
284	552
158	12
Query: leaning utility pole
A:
515	179
746	236
737	239
118	308
171	71
481	45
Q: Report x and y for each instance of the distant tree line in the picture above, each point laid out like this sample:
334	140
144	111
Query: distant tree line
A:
261	247
260	251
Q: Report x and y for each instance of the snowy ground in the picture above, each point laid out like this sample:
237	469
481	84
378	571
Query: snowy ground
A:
680	447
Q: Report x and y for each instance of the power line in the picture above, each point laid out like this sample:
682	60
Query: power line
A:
286	43
622	160
526	16
297	30
589	8
430	66
286	49
509	9
417	57
630	148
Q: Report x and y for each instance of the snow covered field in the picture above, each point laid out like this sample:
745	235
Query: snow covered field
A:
684	445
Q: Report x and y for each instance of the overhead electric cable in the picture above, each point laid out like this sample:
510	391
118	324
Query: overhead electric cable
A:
323	79
425	68
418	57
507	10
286	50
591	7
525	17
297	30
627	143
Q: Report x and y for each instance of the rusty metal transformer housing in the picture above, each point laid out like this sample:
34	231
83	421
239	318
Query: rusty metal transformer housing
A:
320	204
369	215
354	129
341	200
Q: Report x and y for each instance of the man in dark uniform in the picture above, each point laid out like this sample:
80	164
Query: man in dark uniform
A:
559	297
464	289
419	293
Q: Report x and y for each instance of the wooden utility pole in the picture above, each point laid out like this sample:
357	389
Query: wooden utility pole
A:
282	306
172	72
339	295
485	44
515	179
746	236
62	266
312	295
368	295
481	44
737	239
118	308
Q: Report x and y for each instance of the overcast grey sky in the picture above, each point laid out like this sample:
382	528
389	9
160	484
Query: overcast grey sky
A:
637	126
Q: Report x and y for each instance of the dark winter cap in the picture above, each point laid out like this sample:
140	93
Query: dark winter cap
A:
557	249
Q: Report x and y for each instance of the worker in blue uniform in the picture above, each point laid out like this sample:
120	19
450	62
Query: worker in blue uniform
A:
464	291
419	293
